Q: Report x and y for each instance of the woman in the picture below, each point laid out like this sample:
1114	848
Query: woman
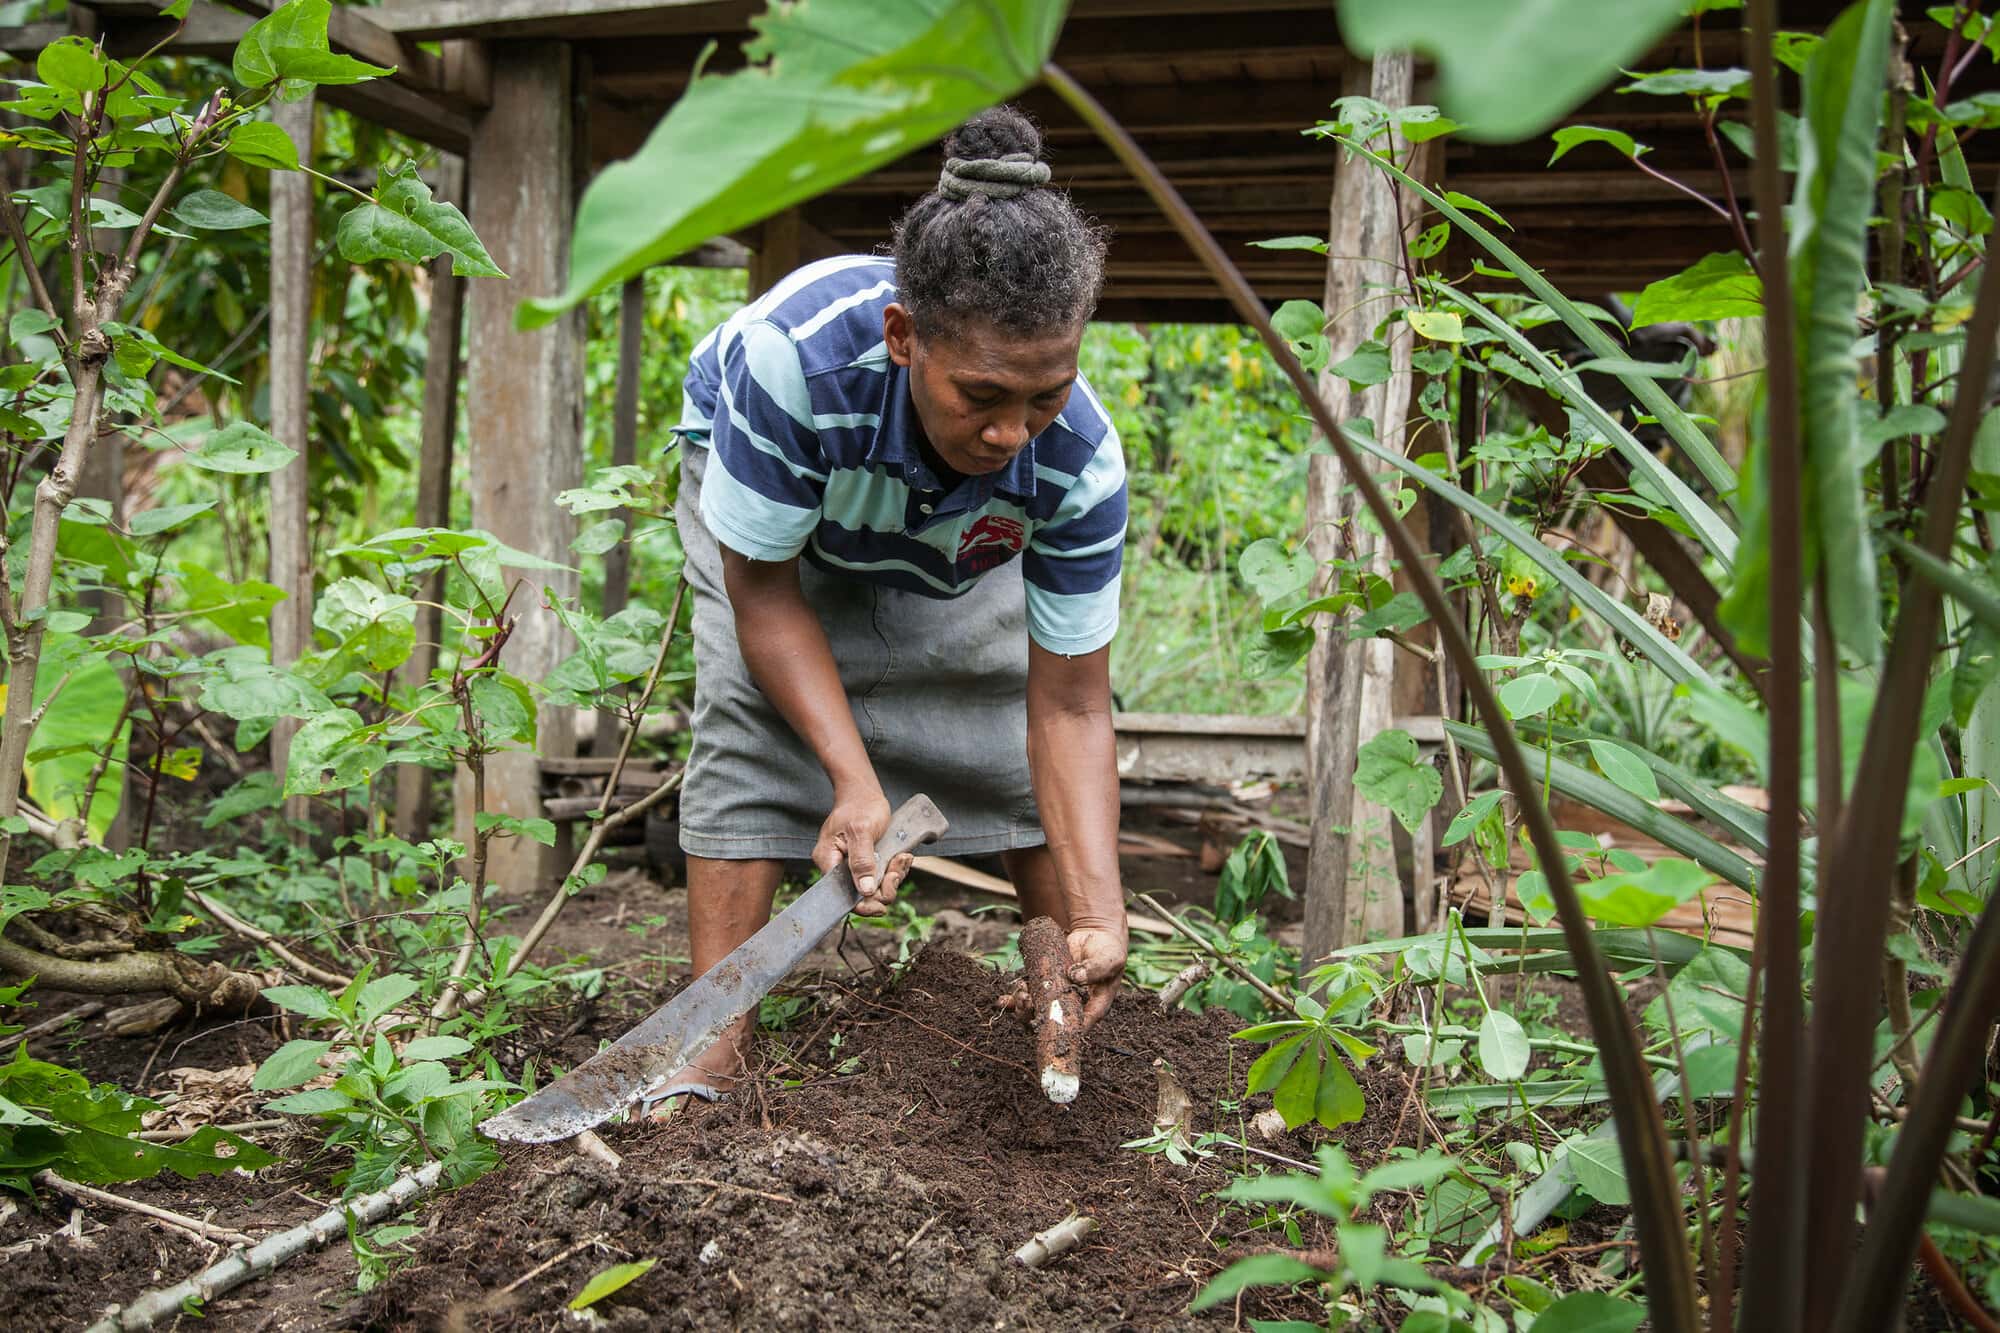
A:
870	446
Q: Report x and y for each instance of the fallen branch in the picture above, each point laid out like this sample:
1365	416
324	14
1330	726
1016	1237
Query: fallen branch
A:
207	985
1057	1241
194	1226
1055	1010
260	1259
1183	981
42	1029
1257	983
236	925
178	1135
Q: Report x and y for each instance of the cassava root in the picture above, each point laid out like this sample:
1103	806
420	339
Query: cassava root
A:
1055	1009
1057	1241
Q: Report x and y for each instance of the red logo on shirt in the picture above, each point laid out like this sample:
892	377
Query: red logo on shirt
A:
989	541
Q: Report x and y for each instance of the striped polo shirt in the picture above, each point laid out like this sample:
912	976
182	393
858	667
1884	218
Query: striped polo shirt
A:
816	439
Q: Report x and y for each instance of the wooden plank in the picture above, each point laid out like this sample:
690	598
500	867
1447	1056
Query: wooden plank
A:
576	19
965	876
442	366
291	564
524	397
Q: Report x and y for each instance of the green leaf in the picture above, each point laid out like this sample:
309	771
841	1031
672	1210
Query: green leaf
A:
72	64
74	732
1599	1170
1570	136
310	1001
1703	84
1590	1312
1273	572
1259	1270
1503	1046
404	223
1472	816
1437	325
216	211
1530	695
1604	795
166	518
1312	243
1339	1100
1368	364
29	321
262	144
612	1279
296	1062
1392	772
376	626
1507	80
835	90
1640	898
1297	1095
291	43
436	1048
1303	324
332	752
241	448
1835	200
599	537
1626	769
381	995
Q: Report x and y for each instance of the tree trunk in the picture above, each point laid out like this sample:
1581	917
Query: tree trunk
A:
291	414
1352	887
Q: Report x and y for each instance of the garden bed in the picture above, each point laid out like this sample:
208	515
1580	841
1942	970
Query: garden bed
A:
892	1193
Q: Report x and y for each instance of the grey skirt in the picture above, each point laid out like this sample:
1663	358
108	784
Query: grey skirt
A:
938	690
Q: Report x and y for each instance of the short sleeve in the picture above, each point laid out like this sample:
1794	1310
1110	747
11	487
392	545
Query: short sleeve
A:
1073	560
763	497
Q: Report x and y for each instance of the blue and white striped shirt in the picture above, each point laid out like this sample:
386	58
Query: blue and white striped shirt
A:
816	438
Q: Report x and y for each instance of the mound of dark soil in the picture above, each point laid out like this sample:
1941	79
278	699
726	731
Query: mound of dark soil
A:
893	1194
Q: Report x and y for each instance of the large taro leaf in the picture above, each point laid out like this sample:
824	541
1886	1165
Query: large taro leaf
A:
837	88
67	744
1508	71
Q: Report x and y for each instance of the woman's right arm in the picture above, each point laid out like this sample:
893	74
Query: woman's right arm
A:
791	661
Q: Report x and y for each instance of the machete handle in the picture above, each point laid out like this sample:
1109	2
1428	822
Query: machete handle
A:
916	822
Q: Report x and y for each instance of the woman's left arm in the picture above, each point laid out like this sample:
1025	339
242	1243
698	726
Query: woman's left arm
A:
1072	756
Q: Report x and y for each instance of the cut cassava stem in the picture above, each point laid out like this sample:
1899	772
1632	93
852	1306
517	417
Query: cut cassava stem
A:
1055	1009
1057	1241
1642	1135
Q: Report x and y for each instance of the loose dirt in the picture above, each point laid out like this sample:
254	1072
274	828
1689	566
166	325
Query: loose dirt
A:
894	1192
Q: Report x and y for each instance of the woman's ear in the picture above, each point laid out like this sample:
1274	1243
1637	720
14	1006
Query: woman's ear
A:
899	331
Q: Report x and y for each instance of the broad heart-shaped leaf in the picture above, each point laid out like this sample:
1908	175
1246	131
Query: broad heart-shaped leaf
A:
242	448
1391	772
1590	1312
291	43
1599	1170
1719	286
1836	198
404	223
1570	136
839	88
1509	71
1273	572
332	751
75	729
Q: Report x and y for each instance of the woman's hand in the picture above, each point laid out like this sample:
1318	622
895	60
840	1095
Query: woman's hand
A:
1097	957
858	821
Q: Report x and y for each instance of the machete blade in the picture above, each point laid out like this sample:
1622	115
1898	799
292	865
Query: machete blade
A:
642	1060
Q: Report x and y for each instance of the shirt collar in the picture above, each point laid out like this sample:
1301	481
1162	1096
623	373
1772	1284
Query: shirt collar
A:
895	449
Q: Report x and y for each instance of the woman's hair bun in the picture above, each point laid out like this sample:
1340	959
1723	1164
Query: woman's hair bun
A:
994	133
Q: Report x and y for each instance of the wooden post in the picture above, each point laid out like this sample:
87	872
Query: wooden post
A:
291	412
440	431
1352	888
624	449
524	404
786	241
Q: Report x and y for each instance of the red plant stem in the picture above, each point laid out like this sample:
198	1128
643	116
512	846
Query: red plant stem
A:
1774	1259
1854	910
1642	1134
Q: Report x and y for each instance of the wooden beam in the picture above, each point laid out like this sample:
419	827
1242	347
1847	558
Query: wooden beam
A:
291	564
442	364
572	19
524	398
786	241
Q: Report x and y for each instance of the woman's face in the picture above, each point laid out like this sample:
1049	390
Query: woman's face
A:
981	395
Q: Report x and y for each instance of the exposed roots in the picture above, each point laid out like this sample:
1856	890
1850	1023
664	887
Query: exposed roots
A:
210	986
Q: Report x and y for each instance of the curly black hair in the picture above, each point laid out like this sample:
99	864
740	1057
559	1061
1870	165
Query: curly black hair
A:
1016	257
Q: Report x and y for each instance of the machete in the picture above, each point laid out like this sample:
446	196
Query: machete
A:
641	1061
